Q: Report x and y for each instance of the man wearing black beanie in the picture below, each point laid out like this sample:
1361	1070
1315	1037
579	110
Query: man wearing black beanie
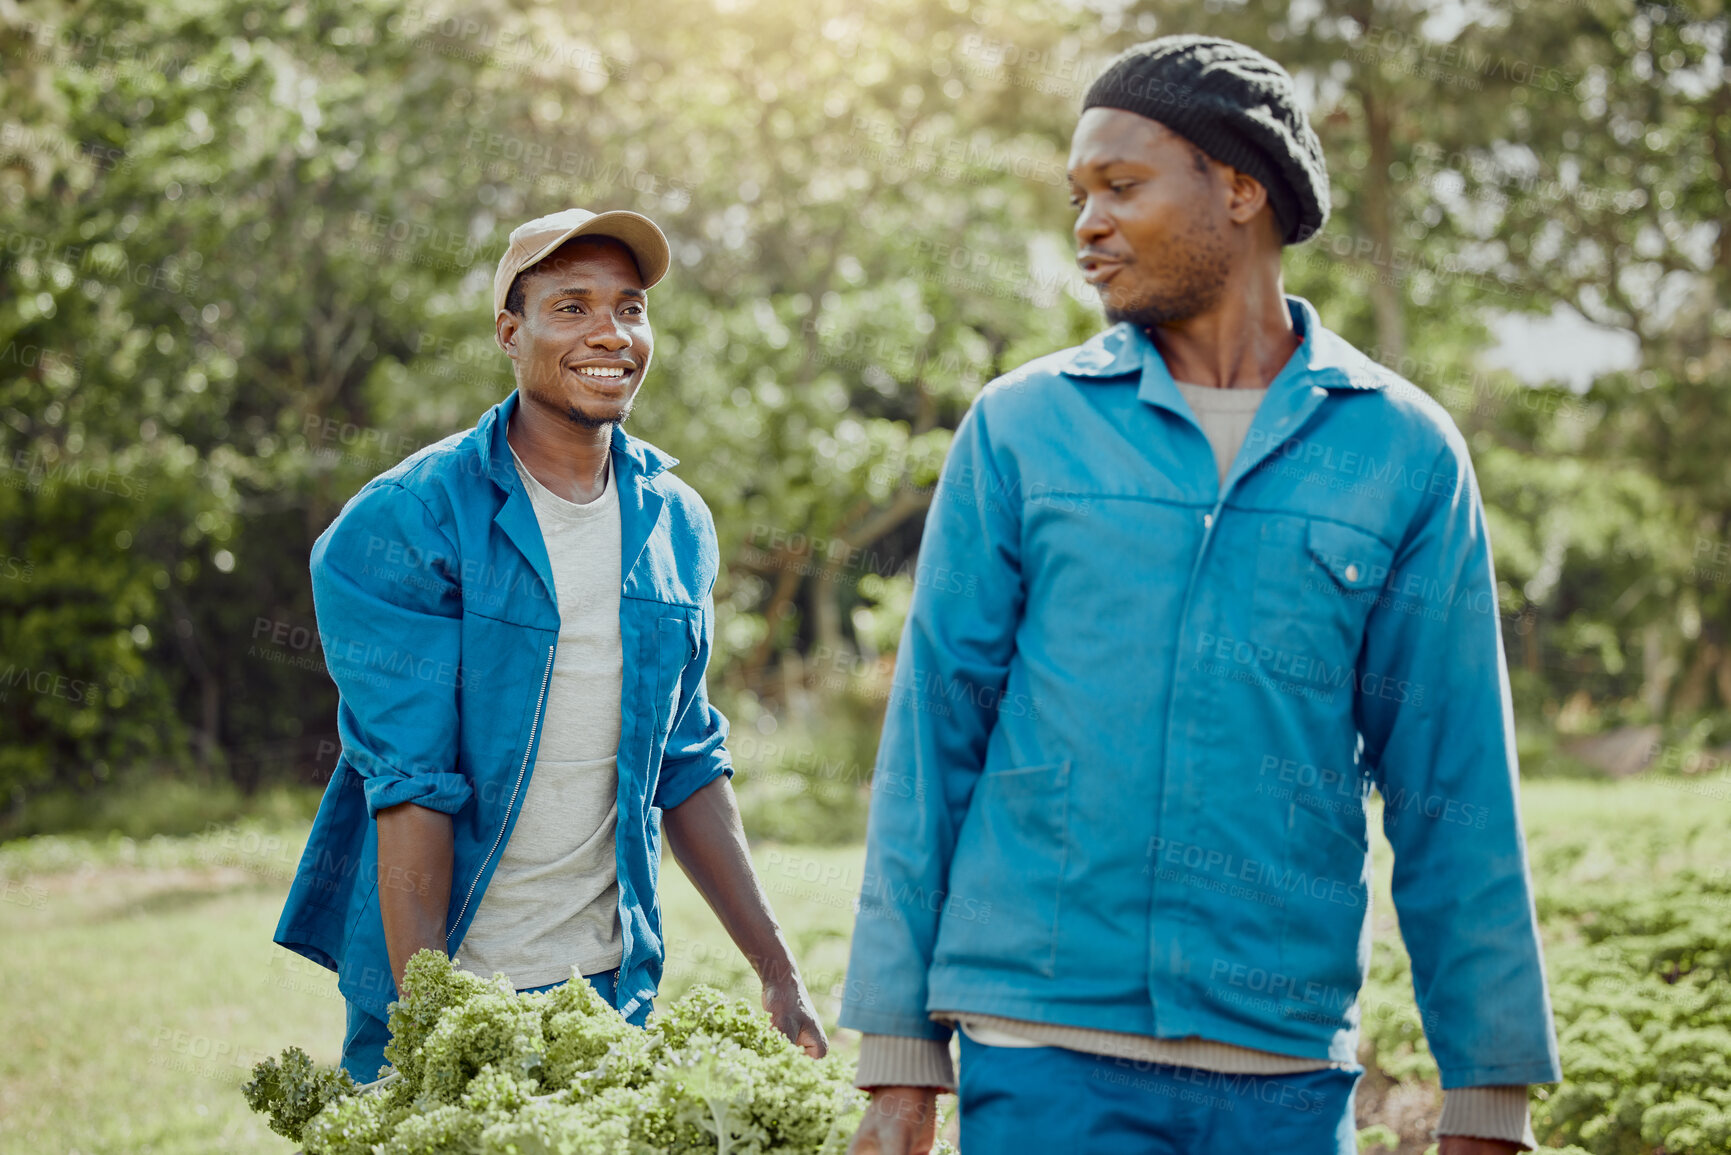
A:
1226	576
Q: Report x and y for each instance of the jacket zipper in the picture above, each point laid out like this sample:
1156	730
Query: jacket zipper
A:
533	726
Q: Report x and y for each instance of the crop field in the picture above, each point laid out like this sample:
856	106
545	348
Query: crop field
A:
138	983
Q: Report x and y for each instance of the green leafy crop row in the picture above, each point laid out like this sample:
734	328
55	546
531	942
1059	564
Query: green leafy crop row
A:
483	1070
1641	986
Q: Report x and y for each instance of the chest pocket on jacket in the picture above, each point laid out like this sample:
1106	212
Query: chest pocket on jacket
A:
1316	584
675	647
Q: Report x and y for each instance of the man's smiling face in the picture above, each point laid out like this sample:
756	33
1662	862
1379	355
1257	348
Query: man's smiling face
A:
582	343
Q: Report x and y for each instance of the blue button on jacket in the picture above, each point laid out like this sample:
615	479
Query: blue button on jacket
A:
439	624
1137	714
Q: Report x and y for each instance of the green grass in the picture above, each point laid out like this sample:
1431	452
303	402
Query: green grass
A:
138	982
145	806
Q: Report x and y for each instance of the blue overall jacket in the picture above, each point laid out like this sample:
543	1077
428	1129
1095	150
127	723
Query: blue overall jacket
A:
1137	714
436	612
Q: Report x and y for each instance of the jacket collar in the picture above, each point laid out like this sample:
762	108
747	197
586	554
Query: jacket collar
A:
1323	363
636	465
636	457
1322	358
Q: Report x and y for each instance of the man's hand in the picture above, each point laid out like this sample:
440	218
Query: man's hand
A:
1466	1145
789	1007
899	1121
706	837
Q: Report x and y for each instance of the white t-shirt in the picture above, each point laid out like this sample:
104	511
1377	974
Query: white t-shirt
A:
553	902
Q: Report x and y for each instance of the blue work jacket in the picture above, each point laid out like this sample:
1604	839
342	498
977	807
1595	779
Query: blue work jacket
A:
1137	714
439	624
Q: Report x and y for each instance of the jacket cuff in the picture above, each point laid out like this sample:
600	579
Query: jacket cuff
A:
677	788
900	1061
446	793
1488	1113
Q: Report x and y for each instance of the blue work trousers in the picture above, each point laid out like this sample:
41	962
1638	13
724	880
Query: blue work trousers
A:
1041	1100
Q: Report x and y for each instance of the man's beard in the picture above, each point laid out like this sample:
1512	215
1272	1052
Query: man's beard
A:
552	397
584	420
1195	274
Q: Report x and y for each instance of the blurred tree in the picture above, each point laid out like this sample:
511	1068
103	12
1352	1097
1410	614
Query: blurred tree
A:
245	255
200	203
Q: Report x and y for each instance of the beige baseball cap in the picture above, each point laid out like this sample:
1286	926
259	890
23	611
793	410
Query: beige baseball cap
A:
533	241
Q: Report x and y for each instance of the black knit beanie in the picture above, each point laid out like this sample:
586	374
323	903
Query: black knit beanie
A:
1236	105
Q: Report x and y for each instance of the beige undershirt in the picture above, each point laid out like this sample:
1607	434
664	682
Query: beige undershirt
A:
1225	416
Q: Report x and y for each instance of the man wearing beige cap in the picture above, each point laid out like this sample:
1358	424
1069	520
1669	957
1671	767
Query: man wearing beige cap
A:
519	620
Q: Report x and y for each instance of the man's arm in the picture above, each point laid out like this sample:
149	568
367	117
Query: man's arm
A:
415	860
1438	725
951	667
390	620
702	827
708	840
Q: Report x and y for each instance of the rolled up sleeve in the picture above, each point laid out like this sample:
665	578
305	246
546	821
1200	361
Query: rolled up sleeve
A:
390	621
1439	738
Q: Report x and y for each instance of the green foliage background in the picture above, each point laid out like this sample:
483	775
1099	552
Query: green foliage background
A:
245	253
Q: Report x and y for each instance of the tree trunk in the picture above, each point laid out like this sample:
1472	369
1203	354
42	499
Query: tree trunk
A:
1386	289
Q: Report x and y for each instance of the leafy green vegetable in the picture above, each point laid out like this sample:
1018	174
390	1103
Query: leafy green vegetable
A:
1640	974
484	1070
294	1090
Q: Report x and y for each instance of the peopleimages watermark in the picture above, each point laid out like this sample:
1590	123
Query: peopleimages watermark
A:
1295	672
188	1053
794	876
483	584
879	893
586	169
803	769
53	684
835	558
325	434
1385	265
1254	880
1231	975
66	43
983	487
841	347
366	659
1717	556
31	471
1386	475
1405	591
285	643
381	235
103	259
1460	64
268	856
978	271
1268	1090
18	139
23	892
926	691
1527	182
924	150
1470	390
29	356
509	49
